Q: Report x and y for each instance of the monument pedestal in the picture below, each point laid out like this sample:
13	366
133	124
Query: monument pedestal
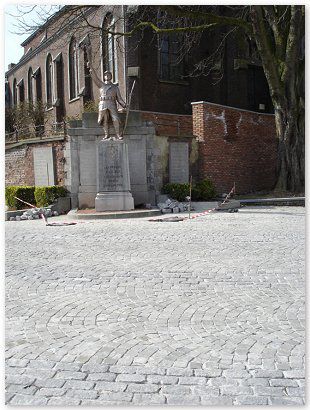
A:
113	180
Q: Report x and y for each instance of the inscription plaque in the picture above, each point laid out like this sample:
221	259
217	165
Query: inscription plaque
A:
113	182
179	162
43	164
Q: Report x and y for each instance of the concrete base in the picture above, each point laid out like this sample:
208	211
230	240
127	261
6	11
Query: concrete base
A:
114	201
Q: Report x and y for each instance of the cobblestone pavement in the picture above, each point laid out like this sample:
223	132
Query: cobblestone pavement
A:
208	311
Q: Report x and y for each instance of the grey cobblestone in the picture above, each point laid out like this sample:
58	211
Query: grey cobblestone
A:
63	401
68	375
79	384
236	390
286	401
81	394
142	388
73	367
217	300
95	368
20	379
294	374
183	400
51	392
19	388
251	401
192	380
27	400
162	379
269	391
108	377
50	383
283	383
131	378
216	401
175	390
148	399
111	386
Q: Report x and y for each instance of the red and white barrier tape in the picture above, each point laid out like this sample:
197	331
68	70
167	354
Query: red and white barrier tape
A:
213	209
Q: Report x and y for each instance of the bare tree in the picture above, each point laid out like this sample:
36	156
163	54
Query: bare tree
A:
278	34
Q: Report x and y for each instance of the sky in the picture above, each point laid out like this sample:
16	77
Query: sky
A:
12	48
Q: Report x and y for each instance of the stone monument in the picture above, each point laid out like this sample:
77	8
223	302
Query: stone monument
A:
113	180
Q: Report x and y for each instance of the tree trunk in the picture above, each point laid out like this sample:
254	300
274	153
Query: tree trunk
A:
291	152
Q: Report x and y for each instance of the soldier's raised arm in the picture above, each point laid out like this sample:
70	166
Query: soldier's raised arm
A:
93	73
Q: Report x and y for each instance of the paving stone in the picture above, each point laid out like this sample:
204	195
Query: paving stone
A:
236	374
115	396
143	388
175	390
296	391
251	401
17	362
156	379
182	400
285	401
283	383
79	384
294	374
68	375
131	378
95	368
82	394
269	391
208	373
192	380
51	392
41	364
63	401
108	377
111	386
148	399
270	374
73	367
19	379
28	400
236	390
19	388
180	372
50	383
216	401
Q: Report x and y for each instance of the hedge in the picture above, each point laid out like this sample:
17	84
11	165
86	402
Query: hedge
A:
201	191
26	193
37	196
46	195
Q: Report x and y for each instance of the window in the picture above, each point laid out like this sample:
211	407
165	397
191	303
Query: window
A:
30	85
109	60
14	92
49	84
171	66
73	69
21	90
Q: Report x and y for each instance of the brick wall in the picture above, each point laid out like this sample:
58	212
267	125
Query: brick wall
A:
235	146
169	124
19	169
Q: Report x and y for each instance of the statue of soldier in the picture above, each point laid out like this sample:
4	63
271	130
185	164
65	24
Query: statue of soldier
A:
109	95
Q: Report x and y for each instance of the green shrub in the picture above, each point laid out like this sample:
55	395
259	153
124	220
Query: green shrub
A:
177	191
26	193
46	195
203	190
